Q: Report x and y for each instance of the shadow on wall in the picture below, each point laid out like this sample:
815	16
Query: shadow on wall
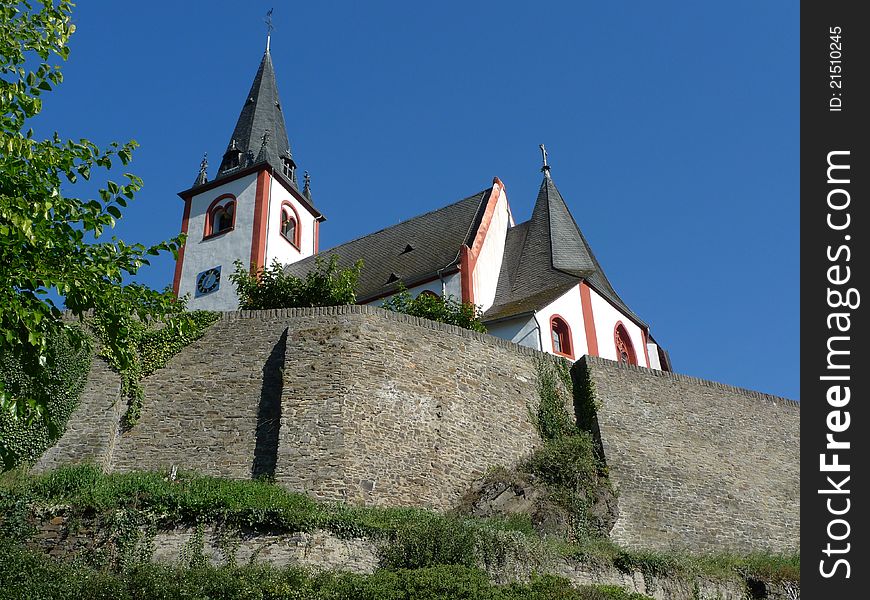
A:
269	412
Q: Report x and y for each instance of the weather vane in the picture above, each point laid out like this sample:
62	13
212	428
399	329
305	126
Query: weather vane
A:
269	28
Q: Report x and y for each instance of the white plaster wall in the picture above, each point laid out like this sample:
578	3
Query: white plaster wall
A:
606	316
653	351
488	267
522	331
451	286
221	250
568	307
277	246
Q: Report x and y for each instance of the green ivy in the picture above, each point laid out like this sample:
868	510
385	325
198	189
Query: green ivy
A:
152	347
68	361
325	285
436	308
568	461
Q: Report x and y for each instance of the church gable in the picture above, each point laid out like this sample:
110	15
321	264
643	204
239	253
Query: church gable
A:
411	252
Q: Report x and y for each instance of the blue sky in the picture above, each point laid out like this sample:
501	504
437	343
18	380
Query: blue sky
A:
672	129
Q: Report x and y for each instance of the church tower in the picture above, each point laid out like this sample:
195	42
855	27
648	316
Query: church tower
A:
252	211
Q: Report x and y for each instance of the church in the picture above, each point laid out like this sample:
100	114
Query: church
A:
536	283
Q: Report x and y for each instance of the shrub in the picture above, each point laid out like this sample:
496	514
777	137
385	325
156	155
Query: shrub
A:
272	287
436	308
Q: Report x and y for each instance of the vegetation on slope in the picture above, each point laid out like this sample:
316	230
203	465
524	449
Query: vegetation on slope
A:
133	504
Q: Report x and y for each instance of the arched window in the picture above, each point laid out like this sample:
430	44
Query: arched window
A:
221	216
624	348
290	224
561	334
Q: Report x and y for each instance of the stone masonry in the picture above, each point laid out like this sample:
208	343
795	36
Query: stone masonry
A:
362	405
698	465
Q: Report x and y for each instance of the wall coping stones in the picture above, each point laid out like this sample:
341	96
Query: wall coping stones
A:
612	364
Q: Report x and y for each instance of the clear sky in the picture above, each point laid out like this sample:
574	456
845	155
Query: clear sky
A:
672	130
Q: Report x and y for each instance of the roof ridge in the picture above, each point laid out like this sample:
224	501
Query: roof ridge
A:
434	210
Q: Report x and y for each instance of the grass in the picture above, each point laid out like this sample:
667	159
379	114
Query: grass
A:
409	538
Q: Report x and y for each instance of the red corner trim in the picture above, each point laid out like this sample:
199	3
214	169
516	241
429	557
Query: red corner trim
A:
465	279
176	281
588	320
261	206
486	221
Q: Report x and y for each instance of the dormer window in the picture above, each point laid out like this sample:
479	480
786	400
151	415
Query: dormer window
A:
288	167
561	335
290	224
221	216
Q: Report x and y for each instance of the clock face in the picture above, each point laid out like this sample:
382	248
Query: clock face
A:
208	281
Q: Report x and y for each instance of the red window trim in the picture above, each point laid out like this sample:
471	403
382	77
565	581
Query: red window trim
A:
632	355
212	208
570	353
295	243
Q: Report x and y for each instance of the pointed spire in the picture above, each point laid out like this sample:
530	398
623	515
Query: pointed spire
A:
203	171
260	111
546	168
307	188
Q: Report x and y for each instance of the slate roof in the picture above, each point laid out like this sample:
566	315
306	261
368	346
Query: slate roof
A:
544	258
434	238
261	110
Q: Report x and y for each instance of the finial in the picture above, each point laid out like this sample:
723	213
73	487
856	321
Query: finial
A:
546	168
269	28
307	187
203	168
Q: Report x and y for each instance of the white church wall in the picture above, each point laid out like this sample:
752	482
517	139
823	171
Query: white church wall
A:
277	246
606	316
450	286
488	267
568	307
653	353
523	331
221	250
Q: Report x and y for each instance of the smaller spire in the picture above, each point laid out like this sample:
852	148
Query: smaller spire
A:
269	28
203	171
546	168
306	190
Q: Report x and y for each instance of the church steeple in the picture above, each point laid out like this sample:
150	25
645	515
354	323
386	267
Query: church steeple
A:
261	113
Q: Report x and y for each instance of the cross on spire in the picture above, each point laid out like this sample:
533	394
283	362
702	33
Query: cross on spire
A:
269	28
546	168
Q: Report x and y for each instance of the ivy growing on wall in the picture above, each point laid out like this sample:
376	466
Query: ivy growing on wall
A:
567	462
152	348
68	362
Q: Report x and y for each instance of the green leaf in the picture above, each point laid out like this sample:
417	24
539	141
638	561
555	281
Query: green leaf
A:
114	211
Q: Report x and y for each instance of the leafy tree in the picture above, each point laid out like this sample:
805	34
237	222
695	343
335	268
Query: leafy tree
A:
444	310
325	285
52	244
